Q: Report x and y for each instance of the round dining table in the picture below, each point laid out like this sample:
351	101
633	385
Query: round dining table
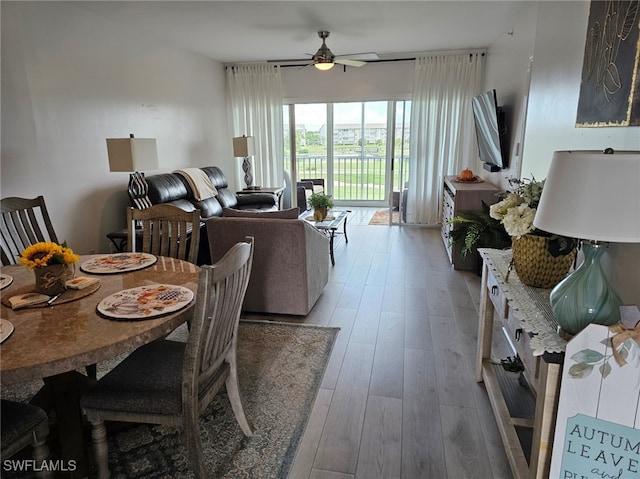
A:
56	342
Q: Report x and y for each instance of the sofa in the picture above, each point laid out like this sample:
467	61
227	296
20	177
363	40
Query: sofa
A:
174	189
290	261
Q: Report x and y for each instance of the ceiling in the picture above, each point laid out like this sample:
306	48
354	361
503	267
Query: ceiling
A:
248	31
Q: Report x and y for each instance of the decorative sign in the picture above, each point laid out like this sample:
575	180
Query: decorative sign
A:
597	432
600	449
610	86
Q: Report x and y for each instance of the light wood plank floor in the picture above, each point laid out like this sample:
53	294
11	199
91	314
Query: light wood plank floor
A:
399	398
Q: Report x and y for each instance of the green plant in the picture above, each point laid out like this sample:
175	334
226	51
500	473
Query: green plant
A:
320	200
476	229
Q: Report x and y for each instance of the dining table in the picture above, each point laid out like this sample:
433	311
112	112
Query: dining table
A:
55	342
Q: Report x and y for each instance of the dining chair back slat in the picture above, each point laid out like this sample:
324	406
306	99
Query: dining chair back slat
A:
166	231
24	223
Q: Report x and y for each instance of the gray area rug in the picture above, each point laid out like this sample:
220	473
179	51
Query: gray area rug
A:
280	369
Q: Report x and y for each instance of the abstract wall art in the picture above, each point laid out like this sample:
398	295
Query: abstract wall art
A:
610	85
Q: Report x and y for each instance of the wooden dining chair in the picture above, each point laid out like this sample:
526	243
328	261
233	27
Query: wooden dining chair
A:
24	222
23	425
166	230
172	383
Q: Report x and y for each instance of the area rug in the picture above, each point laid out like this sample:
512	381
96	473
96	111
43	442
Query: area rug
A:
280	366
381	217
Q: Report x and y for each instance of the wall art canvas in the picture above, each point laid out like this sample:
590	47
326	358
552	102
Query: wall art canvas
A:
610	86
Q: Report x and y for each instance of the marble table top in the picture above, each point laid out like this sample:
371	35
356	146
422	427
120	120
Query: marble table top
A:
63	337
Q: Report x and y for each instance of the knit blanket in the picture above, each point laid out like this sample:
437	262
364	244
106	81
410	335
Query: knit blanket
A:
199	182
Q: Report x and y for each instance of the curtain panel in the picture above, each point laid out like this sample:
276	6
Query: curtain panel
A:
255	108
442	130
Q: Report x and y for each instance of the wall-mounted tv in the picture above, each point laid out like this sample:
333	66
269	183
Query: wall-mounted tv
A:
491	131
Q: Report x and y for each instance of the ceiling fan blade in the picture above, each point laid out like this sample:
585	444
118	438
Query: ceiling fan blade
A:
365	57
349	62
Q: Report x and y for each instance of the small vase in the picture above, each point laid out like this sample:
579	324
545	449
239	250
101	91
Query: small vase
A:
534	264
51	279
320	214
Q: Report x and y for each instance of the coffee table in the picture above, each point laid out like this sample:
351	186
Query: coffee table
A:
329	226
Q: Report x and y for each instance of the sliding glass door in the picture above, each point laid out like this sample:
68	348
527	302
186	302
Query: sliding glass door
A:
359	148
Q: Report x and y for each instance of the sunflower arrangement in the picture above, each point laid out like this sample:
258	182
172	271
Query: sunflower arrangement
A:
47	253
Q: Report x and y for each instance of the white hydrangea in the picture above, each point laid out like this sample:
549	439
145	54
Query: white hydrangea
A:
518	220
498	210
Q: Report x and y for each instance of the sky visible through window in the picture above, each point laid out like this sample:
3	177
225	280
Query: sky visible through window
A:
312	115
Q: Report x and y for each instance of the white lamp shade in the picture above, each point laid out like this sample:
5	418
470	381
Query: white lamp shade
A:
132	154
244	146
593	196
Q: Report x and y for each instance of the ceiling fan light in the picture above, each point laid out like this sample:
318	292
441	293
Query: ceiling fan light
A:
324	66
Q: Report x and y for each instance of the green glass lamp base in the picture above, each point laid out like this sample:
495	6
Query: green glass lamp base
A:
585	296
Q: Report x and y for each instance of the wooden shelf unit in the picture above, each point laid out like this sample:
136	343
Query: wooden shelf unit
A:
457	197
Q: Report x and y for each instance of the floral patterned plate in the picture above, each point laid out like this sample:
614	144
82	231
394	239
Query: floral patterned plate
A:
6	328
145	301
118	263
5	280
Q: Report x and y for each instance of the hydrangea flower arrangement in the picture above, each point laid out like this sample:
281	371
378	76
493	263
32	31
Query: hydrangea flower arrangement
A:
517	210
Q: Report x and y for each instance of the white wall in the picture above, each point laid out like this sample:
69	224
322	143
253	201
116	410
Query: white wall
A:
374	81
71	79
508	72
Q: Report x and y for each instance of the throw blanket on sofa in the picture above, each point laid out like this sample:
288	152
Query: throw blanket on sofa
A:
199	182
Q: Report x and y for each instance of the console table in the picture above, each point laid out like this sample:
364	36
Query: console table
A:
526	317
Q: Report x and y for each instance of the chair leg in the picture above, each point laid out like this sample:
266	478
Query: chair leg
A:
191	432
100	448
40	454
234	398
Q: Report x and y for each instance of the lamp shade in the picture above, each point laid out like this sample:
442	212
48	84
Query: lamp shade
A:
244	146
132	154
592	195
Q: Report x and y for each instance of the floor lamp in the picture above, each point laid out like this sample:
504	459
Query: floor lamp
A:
245	147
131	155
593	196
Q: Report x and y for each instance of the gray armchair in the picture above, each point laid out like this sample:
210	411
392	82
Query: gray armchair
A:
290	261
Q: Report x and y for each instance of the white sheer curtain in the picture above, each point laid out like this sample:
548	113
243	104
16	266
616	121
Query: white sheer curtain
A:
442	131
255	105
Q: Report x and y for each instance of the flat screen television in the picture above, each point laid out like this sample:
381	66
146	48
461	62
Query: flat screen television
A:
491	131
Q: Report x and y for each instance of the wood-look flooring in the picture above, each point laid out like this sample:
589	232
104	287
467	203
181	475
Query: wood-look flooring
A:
399	398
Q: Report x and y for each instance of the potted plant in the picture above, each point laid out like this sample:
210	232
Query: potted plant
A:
477	229
321	205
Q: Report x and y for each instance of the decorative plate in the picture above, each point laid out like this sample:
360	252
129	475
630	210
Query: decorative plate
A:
5	280
145	301
118	263
6	328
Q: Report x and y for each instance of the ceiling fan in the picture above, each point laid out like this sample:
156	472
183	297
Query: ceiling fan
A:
324	59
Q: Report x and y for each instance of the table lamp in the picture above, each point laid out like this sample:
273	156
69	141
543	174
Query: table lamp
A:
593	196
130	155
245	147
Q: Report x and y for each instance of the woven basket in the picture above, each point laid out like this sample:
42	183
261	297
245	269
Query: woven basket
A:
535	266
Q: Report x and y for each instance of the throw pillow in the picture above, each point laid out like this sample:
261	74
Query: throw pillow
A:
290	214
